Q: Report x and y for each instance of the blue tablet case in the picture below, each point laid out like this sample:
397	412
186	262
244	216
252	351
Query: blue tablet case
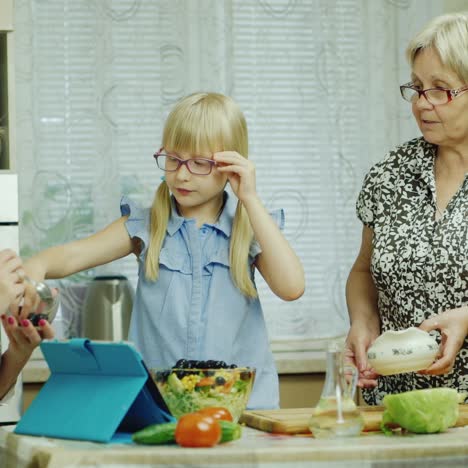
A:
97	391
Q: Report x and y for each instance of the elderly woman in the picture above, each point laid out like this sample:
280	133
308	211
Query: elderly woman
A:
24	337
412	267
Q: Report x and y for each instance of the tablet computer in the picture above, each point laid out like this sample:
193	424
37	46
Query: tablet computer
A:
96	391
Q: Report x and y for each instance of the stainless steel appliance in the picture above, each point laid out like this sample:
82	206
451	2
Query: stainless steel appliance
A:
9	238
107	308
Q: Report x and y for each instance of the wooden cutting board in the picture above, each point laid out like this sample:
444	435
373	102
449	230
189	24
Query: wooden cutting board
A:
295	420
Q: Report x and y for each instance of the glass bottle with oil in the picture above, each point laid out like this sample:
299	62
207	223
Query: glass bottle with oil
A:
336	414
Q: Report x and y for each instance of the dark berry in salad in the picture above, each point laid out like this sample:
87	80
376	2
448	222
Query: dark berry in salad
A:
220	380
161	376
181	374
198	364
245	375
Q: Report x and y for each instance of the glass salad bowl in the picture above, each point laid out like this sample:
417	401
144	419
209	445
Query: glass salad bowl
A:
186	390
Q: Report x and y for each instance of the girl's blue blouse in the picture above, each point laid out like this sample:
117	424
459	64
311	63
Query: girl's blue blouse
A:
194	310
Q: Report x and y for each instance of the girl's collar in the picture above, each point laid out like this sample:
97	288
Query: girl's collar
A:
223	223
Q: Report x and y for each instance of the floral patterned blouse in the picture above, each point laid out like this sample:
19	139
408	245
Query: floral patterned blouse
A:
419	264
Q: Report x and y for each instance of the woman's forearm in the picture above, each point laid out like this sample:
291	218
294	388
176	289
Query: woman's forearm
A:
361	297
9	371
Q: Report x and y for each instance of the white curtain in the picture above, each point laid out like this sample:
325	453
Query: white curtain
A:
318	82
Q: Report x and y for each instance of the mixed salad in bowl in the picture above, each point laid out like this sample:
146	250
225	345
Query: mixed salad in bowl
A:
192	385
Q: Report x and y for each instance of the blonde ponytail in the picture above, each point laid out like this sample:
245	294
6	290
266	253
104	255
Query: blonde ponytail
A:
241	238
160	213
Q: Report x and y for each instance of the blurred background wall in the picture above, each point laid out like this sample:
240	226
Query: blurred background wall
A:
318	82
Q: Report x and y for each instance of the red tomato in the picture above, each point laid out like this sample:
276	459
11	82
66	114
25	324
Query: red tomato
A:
197	430
217	412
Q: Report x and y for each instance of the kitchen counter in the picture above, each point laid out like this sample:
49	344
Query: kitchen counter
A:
301	374
287	362
254	449
36	371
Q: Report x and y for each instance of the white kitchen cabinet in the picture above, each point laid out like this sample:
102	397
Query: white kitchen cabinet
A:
6	15
8	198
7	85
9	237
9	216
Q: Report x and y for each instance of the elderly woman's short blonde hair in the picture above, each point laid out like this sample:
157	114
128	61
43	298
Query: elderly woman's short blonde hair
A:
448	35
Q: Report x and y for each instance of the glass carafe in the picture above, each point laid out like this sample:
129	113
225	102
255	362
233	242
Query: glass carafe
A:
336	414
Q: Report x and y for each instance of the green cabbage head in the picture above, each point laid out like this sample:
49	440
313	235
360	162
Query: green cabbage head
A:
421	411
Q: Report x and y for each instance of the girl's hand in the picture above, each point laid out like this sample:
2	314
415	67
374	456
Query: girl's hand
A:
24	338
11	279
240	172
358	341
453	326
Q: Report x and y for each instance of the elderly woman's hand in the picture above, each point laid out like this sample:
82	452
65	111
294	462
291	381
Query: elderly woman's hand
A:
453	326
361	335
11	279
24	337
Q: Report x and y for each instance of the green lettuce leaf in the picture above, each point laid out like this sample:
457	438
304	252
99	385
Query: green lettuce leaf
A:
421	411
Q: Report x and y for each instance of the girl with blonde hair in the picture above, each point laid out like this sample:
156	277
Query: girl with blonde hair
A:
197	248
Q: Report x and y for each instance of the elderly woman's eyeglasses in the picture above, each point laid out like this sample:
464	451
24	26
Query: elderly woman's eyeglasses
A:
435	96
171	163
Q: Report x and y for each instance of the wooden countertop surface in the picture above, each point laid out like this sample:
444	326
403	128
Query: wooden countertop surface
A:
255	448
296	420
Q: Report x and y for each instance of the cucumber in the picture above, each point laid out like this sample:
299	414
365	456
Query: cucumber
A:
156	434
229	431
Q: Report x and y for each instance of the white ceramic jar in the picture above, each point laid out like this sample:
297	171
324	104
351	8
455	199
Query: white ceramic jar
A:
395	352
